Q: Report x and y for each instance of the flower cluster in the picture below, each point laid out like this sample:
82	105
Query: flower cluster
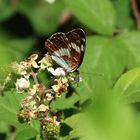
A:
36	105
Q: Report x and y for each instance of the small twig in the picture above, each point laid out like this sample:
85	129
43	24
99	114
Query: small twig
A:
136	13
34	77
14	4
65	17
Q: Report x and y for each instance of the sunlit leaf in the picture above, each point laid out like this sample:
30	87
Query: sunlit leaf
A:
127	87
74	122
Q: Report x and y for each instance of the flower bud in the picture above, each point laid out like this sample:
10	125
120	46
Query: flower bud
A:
51	128
57	72
19	68
24	115
32	61
22	84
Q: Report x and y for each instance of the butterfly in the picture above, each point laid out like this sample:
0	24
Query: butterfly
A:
67	49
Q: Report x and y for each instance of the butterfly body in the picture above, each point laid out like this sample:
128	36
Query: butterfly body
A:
67	50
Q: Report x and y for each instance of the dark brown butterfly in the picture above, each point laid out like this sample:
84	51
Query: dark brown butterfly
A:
67	49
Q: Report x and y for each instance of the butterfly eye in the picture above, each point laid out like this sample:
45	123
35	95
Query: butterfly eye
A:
67	49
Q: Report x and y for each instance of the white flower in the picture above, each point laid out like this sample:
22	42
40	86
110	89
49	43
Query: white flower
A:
58	72
55	88
22	84
50	1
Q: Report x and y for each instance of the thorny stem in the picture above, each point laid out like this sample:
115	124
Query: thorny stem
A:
136	13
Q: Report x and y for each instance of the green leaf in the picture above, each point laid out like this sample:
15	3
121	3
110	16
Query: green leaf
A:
9	105
103	120
43	77
105	60
73	120
26	134
127	88
44	17
5	129
28	131
100	66
138	122
12	49
6	9
64	103
123	16
98	15
75	123
16	46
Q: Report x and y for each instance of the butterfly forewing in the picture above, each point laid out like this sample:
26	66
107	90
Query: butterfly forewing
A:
68	49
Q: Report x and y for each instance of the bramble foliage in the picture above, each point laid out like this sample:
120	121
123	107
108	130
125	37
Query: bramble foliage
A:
105	105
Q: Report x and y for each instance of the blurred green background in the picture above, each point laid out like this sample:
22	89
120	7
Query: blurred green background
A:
109	95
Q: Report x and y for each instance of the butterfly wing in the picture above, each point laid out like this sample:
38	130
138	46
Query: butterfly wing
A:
77	47
57	47
66	49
